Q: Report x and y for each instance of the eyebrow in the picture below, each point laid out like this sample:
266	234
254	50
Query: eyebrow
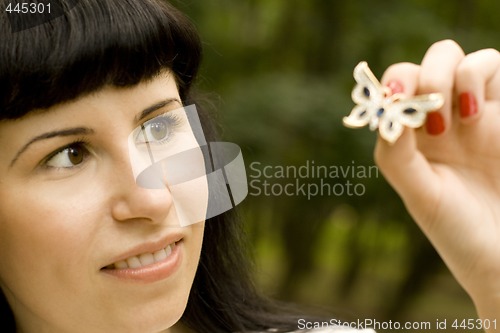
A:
50	135
146	112
87	131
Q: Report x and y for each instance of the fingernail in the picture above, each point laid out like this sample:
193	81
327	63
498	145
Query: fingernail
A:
395	86
435	123
468	104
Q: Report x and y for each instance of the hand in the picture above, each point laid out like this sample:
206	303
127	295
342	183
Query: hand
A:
450	180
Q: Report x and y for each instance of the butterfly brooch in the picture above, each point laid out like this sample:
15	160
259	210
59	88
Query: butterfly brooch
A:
378	107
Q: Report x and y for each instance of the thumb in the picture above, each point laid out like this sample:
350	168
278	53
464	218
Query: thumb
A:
409	173
403	165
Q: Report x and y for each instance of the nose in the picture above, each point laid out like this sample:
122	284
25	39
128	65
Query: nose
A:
132	202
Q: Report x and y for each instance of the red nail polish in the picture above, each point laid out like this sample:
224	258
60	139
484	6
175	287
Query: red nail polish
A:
395	86
435	123
468	104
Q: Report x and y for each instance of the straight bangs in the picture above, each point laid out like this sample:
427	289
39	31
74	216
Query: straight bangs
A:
92	44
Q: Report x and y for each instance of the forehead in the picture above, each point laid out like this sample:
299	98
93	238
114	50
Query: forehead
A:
105	106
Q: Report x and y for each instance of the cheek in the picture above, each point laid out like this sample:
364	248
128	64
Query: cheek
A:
195	239
45	224
45	241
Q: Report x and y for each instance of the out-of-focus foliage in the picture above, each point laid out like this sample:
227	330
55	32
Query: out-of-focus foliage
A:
282	74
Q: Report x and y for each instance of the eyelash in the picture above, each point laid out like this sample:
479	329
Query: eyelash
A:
172	120
80	143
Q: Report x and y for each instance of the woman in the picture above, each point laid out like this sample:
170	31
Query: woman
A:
85	249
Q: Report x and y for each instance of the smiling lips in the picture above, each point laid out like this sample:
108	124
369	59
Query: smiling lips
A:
148	266
144	259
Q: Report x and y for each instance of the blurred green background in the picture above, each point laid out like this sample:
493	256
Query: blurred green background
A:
279	73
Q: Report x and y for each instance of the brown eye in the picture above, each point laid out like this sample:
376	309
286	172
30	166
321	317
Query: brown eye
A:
75	155
68	157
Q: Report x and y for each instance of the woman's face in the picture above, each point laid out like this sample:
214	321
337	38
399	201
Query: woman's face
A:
82	247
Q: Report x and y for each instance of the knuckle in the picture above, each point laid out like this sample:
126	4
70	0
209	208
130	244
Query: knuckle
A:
399	69
447	44
448	49
473	62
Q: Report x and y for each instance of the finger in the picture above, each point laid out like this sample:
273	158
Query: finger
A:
402	78
477	79
437	74
403	166
409	173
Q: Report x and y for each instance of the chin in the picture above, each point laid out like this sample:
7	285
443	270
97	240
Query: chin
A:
155	316
149	323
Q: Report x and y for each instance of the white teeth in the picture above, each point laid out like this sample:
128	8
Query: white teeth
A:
121	264
144	259
134	262
160	255
168	250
